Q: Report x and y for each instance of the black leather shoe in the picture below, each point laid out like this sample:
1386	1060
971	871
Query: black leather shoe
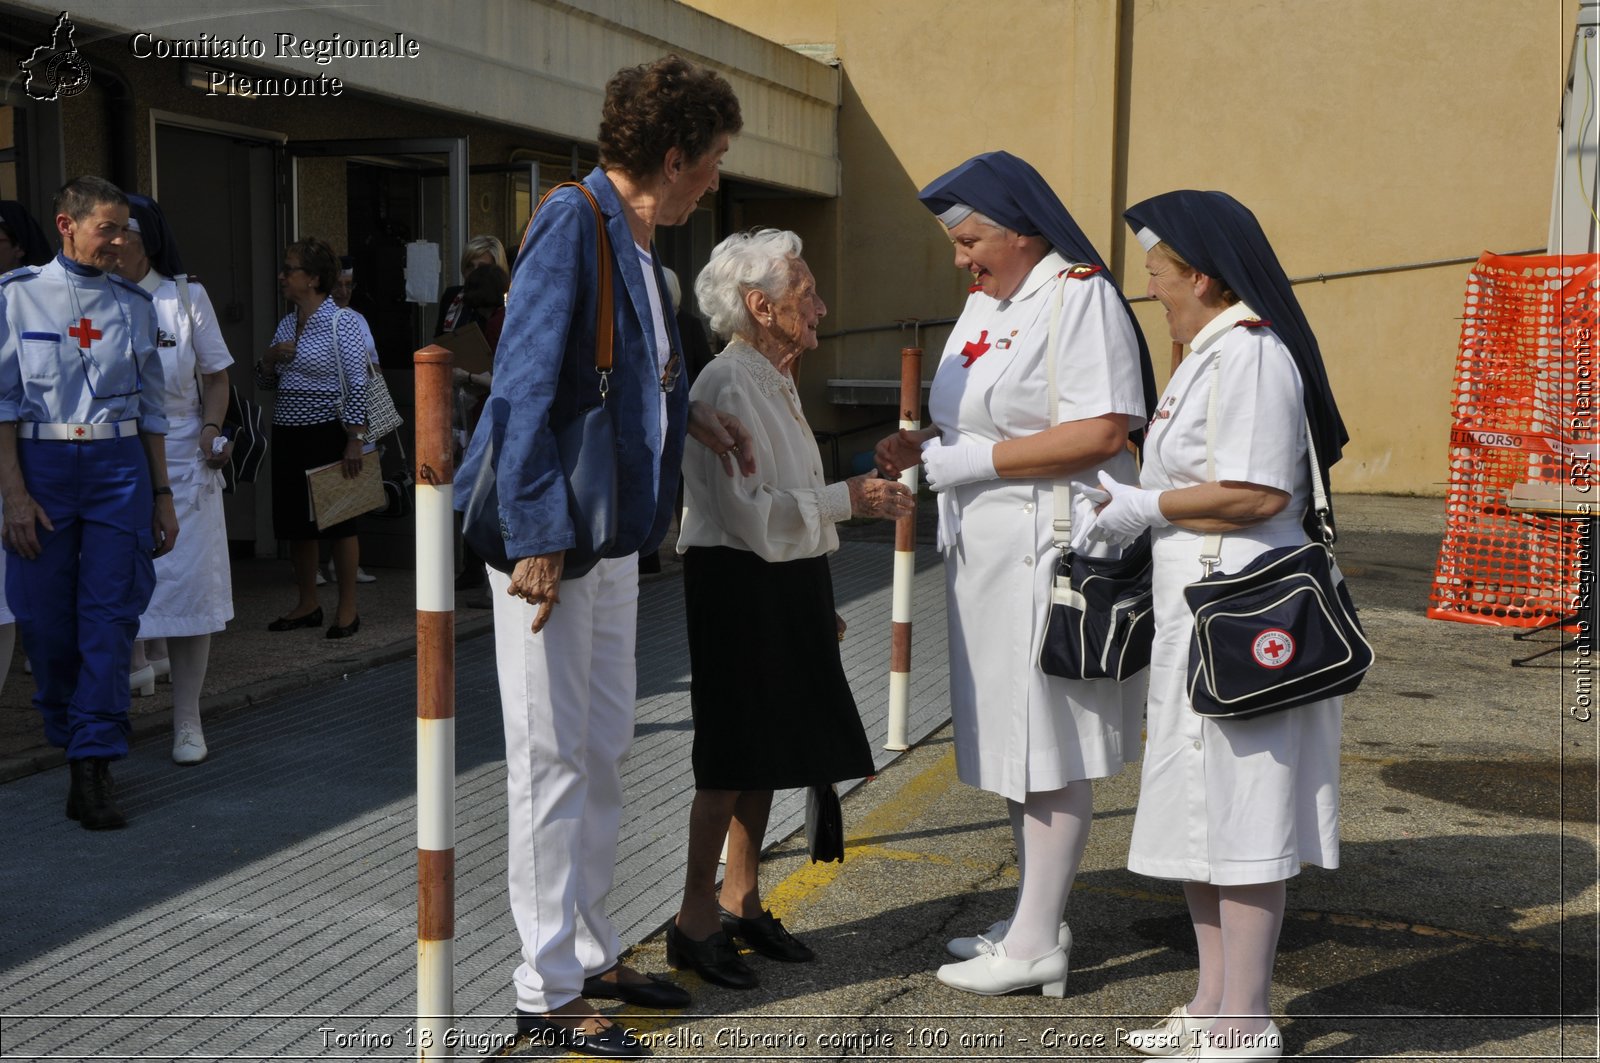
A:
767	936
613	1042
713	959
284	623
656	993
90	800
337	632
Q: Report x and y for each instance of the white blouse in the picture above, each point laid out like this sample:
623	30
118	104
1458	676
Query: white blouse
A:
784	512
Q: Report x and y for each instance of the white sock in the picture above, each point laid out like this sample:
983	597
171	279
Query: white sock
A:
1055	829
190	655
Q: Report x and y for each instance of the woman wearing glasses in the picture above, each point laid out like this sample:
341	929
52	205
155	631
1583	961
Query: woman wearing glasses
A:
318	363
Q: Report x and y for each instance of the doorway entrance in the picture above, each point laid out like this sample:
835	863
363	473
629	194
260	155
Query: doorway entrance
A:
398	208
216	187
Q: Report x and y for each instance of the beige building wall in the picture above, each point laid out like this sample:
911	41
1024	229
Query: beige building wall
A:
1367	135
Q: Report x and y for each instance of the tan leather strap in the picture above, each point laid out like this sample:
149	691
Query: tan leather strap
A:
605	321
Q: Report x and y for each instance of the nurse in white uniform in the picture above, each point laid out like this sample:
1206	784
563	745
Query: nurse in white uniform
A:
994	456
194	590
1230	807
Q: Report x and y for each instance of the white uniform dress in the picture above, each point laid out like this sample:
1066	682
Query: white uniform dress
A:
194	589
1230	802
1017	729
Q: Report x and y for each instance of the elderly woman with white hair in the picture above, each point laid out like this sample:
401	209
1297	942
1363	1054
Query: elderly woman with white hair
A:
772	707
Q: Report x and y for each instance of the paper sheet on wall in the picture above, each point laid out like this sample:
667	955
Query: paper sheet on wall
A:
422	272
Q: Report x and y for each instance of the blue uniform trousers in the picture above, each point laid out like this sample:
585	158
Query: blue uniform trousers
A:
78	603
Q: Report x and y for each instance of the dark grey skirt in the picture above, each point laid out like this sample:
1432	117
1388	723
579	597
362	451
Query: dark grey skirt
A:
772	707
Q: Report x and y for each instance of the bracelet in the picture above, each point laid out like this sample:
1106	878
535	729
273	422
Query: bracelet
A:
211	424
158	491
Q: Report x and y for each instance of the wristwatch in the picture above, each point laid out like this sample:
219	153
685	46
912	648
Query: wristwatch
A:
161	491
360	437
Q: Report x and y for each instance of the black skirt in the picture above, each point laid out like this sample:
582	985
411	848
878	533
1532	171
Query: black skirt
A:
772	707
296	448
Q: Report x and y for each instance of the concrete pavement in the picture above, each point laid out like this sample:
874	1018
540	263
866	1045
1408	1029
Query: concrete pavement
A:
262	905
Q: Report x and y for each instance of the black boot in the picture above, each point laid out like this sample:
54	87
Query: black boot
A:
90	800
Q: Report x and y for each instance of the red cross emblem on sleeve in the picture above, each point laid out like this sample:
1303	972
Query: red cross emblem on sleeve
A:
84	332
1273	648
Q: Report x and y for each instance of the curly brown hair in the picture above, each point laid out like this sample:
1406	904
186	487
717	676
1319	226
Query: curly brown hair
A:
670	103
318	260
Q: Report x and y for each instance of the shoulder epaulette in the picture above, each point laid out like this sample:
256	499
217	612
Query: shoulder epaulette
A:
192	279
1081	271
20	273
1253	322
117	278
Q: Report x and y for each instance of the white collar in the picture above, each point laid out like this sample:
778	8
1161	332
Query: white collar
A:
1224	321
1049	266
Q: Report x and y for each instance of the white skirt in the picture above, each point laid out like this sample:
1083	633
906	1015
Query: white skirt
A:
1229	802
1017	730
194	587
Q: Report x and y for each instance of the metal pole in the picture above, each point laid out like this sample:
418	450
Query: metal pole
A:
905	560
436	706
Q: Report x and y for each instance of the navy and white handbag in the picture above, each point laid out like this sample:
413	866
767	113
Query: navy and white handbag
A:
1280	632
1101	620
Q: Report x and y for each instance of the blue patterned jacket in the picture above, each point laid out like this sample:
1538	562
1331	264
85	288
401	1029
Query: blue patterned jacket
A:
544	376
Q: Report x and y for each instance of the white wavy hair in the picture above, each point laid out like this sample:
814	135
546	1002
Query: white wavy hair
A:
758	260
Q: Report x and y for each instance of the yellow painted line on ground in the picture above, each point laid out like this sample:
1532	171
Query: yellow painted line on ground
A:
902	810
893	815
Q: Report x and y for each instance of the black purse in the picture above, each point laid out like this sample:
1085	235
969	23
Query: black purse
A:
1280	632
586	445
246	425
1100	623
824	824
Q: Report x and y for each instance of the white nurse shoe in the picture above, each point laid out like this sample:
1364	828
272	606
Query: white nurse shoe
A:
188	746
994	973
979	944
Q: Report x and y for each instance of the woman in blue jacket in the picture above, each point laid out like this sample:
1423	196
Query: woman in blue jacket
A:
565	647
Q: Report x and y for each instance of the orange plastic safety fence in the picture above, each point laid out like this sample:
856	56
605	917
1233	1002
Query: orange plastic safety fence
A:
1525	408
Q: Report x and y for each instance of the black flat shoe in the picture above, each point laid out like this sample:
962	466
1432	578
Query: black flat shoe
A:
713	959
613	1042
656	993
337	632
766	935
284	623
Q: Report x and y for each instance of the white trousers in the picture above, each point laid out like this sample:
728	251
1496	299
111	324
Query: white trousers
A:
567	697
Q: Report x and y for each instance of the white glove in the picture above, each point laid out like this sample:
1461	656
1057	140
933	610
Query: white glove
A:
944	467
1084	501
1130	511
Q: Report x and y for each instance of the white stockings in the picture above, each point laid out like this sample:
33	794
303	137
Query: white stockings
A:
1051	829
